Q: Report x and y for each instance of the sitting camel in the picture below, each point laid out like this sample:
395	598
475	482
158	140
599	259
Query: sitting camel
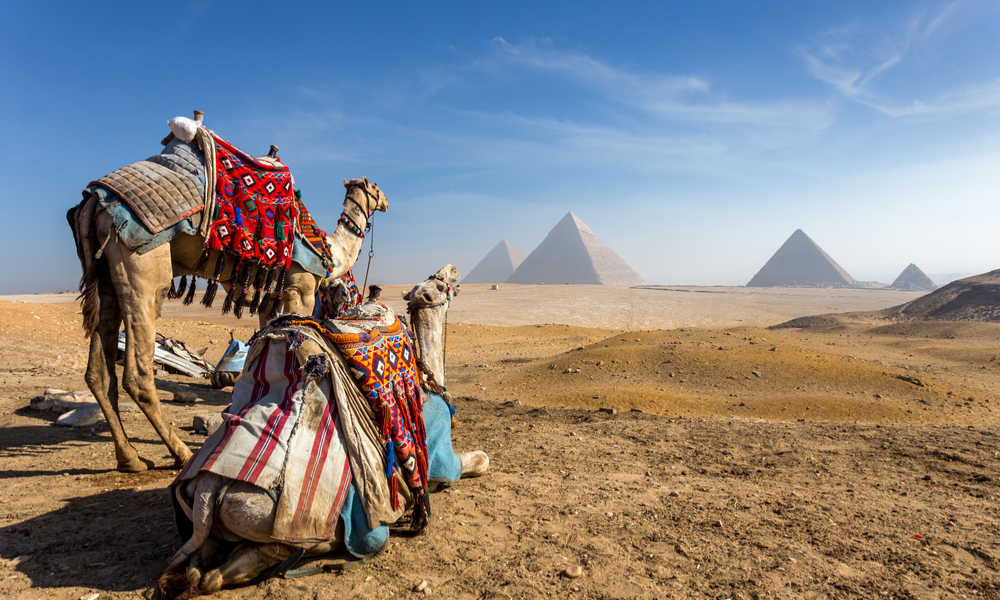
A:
120	286
231	525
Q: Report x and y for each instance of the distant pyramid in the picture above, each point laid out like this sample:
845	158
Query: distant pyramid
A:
913	279
801	263
496	266
571	253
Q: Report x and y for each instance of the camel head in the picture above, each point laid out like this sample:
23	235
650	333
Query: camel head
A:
428	305
373	198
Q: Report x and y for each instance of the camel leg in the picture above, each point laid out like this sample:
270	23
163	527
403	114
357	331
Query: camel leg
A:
474	463
102	379
142	282
243	565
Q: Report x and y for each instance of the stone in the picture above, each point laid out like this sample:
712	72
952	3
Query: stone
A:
85	416
207	423
573	572
61	401
800	262
497	266
571	253
420	586
610	411
128	407
185	397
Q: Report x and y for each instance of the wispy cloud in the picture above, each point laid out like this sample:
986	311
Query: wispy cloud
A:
859	64
681	97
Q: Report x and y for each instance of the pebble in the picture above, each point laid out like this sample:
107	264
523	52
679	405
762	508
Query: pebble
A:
674	494
420	586
85	416
207	423
185	397
573	571
93	596
17	561
610	411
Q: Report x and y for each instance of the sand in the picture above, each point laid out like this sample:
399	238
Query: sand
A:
763	463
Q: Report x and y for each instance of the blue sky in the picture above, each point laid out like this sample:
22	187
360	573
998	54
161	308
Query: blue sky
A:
693	138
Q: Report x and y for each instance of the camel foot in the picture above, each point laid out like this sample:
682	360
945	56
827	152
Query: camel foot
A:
474	463
180	462
135	465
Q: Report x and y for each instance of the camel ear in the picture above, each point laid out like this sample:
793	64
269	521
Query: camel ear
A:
457	288
406	295
346	183
365	179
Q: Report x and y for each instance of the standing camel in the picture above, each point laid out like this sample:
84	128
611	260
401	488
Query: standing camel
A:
121	287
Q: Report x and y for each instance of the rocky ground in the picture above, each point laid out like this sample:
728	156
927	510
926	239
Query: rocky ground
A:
855	460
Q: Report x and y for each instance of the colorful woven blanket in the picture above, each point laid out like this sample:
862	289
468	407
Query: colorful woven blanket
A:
384	365
253	222
309	230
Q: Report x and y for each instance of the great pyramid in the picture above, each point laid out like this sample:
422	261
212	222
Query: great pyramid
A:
801	263
496	266
571	253
913	279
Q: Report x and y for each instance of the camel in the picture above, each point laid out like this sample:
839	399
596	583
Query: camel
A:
235	519
120	287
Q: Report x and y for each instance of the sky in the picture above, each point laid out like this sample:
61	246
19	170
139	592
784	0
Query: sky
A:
692	138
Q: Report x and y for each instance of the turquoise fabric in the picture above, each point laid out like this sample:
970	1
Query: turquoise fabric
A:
361	540
138	239
442	463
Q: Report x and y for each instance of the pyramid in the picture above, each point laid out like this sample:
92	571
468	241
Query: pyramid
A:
571	253
496	266
913	279
801	263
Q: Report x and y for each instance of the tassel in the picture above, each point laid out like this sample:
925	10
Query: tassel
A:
394	492
234	277
190	293
255	303
209	297
240	303
220	266
421	511
173	291
227	304
202	261
182	287
246	273
271	275
258	280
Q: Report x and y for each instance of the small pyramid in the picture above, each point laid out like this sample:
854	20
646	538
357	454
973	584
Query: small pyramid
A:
913	279
496	266
801	263
571	253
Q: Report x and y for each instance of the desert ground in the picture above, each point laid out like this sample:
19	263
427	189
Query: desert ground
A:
731	460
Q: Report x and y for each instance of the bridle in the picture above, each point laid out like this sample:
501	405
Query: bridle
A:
346	219
369	223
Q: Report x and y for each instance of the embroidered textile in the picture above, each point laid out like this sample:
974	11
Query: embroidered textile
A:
384	366
255	210
309	230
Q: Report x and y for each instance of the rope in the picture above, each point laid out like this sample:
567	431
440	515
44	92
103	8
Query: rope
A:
371	251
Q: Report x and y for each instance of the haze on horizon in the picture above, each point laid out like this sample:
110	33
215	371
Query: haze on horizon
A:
692	139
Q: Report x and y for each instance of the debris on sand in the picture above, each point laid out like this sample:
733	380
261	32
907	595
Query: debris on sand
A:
174	356
573	572
85	416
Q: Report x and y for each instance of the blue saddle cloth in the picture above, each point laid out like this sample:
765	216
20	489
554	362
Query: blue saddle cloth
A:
443	465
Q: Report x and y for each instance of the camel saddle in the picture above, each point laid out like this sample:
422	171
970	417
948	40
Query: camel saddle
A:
165	189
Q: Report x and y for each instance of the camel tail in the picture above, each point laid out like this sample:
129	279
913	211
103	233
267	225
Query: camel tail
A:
81	221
